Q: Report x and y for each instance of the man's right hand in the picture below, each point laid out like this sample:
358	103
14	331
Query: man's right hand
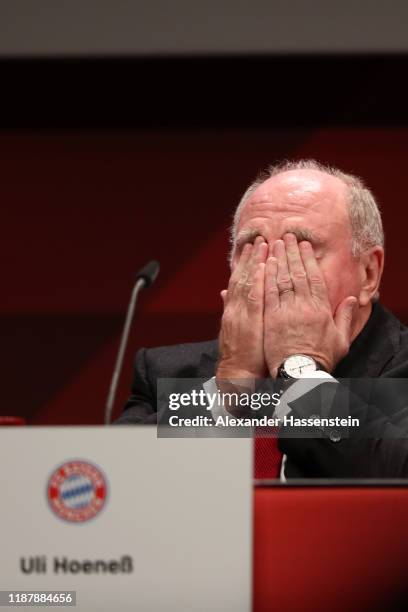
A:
241	335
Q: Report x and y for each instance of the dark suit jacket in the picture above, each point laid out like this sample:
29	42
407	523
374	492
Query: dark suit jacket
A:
380	351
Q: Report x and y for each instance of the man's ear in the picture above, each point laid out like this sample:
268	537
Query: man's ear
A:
371	269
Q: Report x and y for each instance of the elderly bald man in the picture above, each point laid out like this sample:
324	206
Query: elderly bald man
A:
302	301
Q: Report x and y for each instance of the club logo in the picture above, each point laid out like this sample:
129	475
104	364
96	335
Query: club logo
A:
77	491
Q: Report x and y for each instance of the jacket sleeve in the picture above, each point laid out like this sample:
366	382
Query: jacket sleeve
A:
141	407
376	448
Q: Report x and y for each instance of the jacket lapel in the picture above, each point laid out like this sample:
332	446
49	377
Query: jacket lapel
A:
374	347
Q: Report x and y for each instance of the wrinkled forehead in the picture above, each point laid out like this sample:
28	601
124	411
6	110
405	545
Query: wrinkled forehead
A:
303	186
312	194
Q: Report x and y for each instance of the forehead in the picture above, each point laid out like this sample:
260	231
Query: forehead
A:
308	198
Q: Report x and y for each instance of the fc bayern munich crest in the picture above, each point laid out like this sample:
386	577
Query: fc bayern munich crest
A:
77	491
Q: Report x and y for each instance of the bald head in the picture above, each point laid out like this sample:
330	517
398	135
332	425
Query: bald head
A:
302	188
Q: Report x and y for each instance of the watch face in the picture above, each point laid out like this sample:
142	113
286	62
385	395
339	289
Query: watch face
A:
298	366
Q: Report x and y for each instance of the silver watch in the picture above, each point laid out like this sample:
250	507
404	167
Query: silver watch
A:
298	366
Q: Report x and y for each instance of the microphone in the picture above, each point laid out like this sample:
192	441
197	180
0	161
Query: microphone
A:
144	278
149	272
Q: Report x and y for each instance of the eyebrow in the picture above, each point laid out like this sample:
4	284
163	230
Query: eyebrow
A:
301	233
247	235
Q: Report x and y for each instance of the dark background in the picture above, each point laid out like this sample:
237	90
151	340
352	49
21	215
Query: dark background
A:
106	163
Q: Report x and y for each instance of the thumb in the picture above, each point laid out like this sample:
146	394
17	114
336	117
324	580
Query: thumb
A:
343	317
223	294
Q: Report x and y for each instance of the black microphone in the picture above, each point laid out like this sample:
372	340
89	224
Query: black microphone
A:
145	277
149	272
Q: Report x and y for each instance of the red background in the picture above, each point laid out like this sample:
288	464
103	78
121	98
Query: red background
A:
330	548
83	210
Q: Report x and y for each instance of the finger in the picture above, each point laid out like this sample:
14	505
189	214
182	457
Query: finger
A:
344	315
258	255
296	268
315	277
242	262
239	269
285	285
256	292
272	300
261	251
245	261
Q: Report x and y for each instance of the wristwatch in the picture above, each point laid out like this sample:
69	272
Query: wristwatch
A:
299	366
